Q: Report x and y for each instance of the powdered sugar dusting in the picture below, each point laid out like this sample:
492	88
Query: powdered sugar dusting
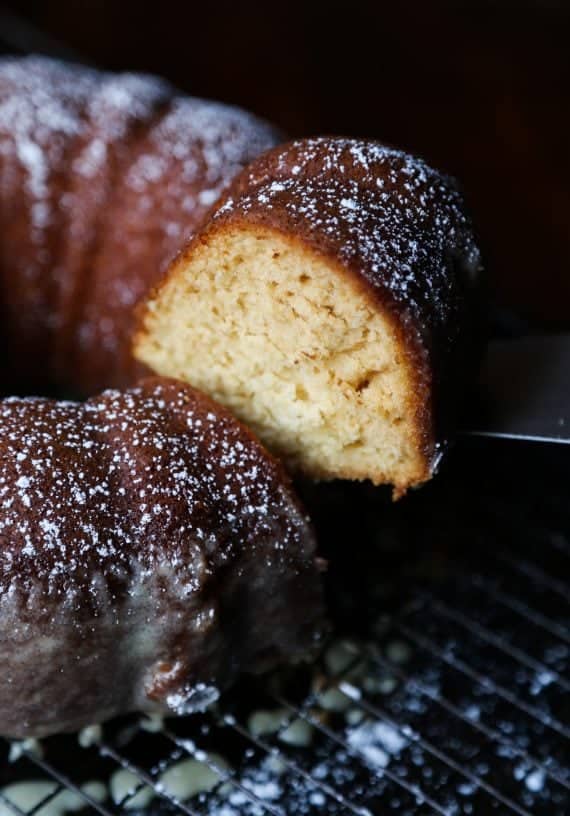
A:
132	529
117	103
145	475
192	698
40	119
195	150
398	221
40	105
104	177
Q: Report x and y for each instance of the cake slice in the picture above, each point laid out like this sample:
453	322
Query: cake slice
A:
329	303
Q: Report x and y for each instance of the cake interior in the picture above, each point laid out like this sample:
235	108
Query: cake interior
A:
305	357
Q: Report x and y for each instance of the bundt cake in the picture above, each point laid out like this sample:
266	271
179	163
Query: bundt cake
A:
329	303
150	550
102	177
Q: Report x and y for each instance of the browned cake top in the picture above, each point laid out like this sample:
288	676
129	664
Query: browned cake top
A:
390	216
150	478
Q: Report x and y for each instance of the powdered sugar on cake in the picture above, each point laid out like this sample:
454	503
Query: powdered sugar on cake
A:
127	485
150	549
103	177
398	221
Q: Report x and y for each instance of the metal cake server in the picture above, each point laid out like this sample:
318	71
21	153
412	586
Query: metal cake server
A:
525	390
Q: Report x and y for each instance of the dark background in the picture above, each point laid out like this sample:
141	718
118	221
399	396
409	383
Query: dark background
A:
480	89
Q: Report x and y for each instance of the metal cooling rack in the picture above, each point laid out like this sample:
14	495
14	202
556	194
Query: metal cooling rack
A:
444	689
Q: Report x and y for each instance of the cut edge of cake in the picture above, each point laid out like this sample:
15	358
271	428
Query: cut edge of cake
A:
301	348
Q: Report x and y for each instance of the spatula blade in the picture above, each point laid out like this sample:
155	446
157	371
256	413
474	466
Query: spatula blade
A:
525	390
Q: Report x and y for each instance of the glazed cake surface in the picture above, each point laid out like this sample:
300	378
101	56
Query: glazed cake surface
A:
150	551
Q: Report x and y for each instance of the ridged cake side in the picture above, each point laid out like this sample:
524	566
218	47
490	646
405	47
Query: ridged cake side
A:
150	550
